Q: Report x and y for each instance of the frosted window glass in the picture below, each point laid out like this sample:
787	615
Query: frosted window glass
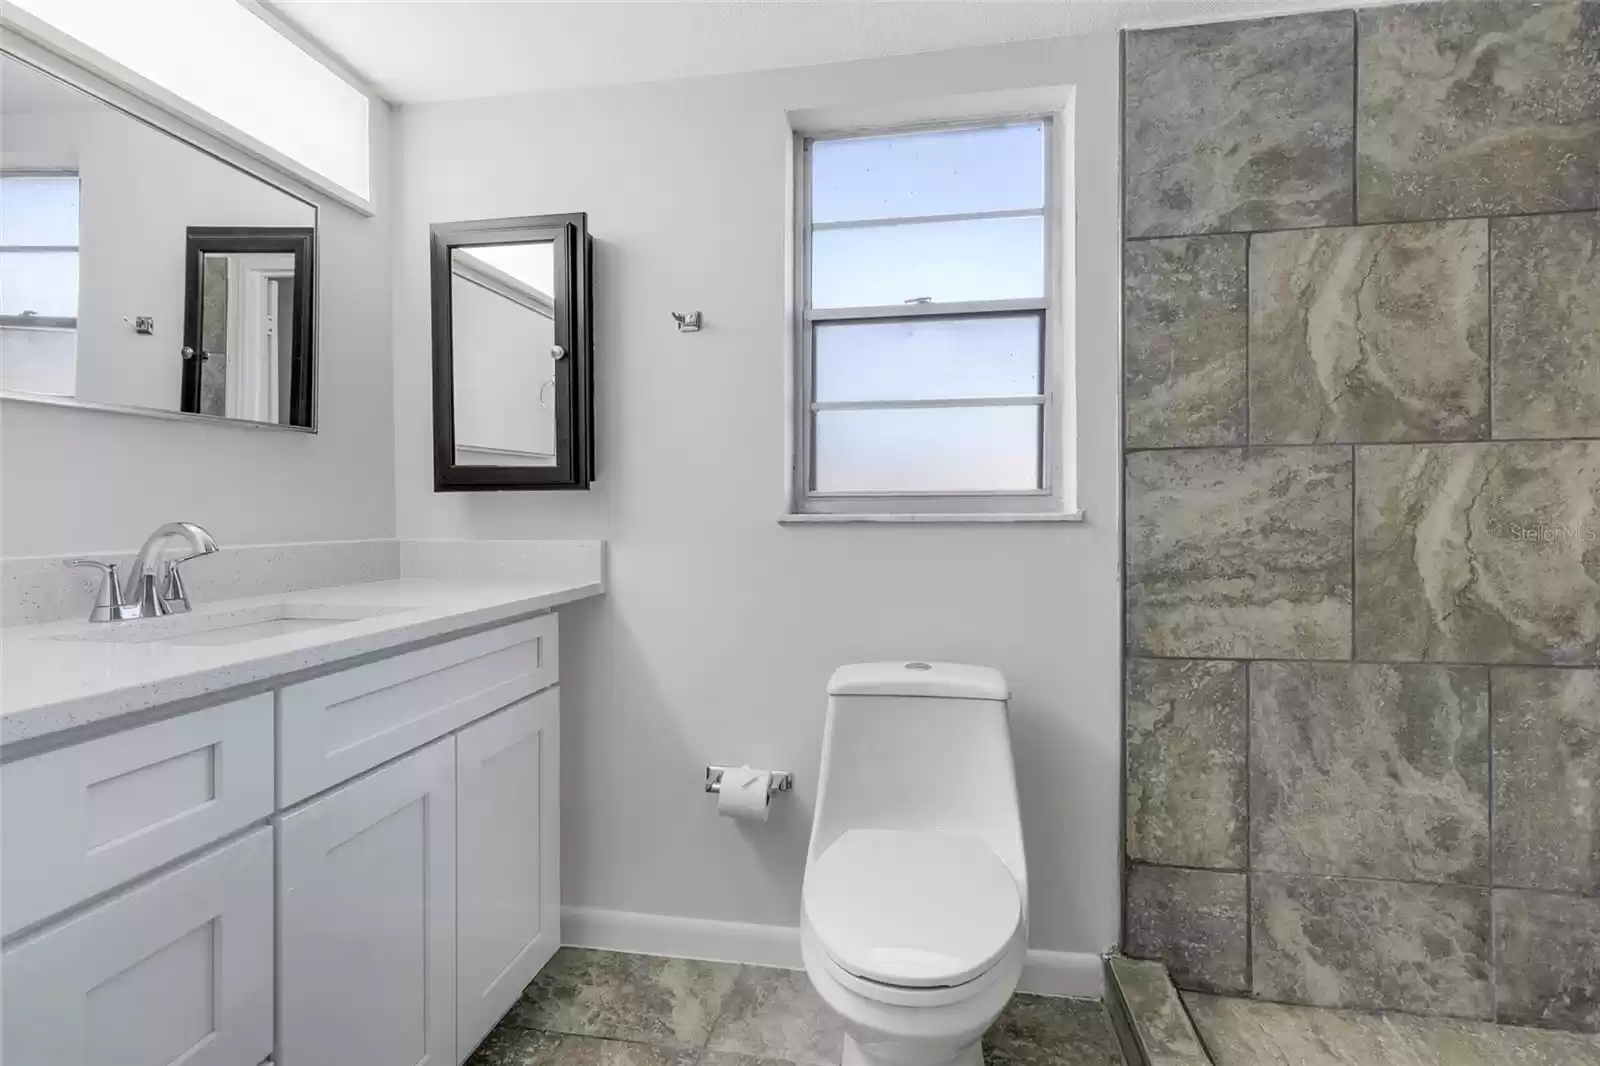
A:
927	449
976	259
928	359
45	283
223	59
39	210
940	172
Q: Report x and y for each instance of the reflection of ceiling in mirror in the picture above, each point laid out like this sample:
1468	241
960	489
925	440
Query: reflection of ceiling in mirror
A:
532	264
25	91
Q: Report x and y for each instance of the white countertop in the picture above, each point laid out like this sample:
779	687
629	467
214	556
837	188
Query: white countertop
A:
49	684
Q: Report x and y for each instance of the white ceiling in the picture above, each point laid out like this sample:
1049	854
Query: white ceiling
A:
417	51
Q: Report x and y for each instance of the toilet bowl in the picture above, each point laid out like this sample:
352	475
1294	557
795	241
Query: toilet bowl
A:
913	923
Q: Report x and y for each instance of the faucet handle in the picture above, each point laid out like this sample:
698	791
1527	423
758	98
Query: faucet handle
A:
108	603
174	595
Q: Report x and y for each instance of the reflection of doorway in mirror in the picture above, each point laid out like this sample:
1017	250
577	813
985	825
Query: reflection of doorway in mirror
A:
247	330
502	326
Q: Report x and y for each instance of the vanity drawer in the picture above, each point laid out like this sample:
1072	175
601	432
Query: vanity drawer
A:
84	819
334	727
175	970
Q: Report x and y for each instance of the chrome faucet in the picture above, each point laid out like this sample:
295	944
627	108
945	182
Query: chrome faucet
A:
154	582
155	585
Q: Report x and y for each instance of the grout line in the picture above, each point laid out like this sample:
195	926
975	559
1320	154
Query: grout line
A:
1249	833
1363	662
1470	886
1385	222
1494	938
1355	464
1249	325
1355	118
1267	445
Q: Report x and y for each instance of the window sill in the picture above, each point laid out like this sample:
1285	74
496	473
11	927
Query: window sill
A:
988	517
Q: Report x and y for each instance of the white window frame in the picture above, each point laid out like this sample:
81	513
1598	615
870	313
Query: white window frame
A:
44	322
1048	502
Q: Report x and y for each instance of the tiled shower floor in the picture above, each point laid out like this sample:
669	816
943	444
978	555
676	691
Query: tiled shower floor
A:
598	1008
1240	1032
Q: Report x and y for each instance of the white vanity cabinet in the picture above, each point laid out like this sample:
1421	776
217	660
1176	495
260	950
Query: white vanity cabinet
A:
367	917
384	908
508	855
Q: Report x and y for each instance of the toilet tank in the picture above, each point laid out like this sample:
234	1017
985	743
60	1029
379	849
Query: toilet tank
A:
918	746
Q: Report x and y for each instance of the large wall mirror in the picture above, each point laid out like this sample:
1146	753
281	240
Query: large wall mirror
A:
511	354
138	272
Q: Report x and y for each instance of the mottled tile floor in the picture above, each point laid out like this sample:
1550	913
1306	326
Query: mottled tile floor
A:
1242	1032
600	1008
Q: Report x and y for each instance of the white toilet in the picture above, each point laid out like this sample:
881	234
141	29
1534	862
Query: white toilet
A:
914	914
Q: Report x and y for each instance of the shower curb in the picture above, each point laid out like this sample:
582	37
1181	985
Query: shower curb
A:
1140	997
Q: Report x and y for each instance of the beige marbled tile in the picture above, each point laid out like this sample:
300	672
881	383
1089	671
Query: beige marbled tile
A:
1548	959
1184	341
776	1014
511	1045
1187	748
1239	125
1195	921
1381	945
1547	779
1239	553
1478	553
1046	1031
1370	333
1480	108
643	998
1370	770
1546	325
1242	1032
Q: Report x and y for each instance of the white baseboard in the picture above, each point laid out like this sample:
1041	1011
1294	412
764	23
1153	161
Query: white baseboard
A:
1069	974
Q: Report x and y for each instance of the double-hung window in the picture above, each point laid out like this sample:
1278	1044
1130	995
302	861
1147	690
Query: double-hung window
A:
928	352
38	281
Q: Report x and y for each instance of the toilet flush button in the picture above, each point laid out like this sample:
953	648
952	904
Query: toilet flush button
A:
918	666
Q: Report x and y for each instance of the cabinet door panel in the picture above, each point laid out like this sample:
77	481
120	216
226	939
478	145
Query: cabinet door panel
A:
366	883
509	847
177	970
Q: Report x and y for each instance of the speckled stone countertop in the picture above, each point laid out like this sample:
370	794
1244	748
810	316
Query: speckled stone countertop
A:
51	683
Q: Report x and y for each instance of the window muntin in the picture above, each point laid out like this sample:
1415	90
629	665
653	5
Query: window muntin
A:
925	371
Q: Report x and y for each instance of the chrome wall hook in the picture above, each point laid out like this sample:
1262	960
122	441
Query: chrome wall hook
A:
688	321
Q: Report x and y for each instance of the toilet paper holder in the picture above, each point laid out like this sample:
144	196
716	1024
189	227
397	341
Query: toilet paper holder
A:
782	780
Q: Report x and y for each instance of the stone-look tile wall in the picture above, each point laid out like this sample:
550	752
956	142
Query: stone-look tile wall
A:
1362	387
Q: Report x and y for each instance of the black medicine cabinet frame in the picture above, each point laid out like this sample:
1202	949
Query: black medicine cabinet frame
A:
574	372
299	241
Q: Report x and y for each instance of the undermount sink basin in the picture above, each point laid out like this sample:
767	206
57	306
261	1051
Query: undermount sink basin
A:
229	626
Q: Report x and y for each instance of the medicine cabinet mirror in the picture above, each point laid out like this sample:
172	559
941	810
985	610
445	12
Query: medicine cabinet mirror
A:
512	375
140	273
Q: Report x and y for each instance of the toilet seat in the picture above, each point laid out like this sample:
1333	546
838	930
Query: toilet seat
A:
912	909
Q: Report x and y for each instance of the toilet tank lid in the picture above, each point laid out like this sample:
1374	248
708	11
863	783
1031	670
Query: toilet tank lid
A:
949	680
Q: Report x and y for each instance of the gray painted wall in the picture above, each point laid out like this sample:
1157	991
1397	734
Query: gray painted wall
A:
1362	403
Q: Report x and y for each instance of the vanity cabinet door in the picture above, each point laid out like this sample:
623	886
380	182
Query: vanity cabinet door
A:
367	918
508	882
175	970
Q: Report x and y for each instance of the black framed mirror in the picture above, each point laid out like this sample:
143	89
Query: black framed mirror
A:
248	313
513	397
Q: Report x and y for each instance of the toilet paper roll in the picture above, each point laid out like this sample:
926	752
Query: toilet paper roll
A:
745	794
